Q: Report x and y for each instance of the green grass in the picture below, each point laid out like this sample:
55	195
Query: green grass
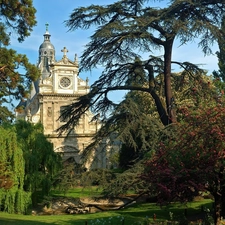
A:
131	215
78	192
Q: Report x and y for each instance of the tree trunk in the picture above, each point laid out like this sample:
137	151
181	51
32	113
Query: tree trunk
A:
223	202
167	79
160	108
217	208
222	184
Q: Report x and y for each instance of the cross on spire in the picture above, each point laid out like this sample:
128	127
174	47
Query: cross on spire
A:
64	50
46	25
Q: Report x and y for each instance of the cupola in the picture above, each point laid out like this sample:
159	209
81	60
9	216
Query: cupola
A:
46	49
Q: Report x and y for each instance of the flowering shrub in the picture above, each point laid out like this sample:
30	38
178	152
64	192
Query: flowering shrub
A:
193	160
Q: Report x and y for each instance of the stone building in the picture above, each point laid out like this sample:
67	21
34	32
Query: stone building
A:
58	86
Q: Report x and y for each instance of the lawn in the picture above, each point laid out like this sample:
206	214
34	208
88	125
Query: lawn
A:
133	215
79	192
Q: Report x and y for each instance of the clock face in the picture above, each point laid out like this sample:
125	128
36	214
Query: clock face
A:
65	82
35	118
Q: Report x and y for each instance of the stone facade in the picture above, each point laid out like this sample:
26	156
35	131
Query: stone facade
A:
58	86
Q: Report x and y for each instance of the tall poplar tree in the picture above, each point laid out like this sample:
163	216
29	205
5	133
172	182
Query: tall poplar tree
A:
17	18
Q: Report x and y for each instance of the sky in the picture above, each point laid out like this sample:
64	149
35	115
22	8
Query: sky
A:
55	12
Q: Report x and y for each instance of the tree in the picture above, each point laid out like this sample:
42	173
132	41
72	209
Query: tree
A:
221	55
220	81
219	75
13	198
135	123
136	126
192	159
16	73
69	176
41	162
141	127
126	32
28	165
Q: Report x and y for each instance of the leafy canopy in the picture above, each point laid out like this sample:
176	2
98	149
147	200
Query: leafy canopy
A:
41	162
17	18
28	165
13	198
192	160
124	42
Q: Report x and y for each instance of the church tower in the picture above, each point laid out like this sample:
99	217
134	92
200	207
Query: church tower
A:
59	85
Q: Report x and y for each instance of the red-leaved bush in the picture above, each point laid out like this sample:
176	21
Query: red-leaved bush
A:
192	160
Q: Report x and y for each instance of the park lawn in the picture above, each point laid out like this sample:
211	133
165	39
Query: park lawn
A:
91	191
129	216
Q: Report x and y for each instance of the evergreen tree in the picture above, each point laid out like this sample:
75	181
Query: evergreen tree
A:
17	18
137	127
220	74
220	83
126	31
135	122
221	55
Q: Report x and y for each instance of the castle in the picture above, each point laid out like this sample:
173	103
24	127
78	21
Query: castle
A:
60	85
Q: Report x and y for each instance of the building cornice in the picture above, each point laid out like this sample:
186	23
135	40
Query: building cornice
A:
59	95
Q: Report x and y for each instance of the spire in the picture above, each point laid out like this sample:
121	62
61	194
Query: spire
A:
46	54
47	35
76	60
46	49
46	25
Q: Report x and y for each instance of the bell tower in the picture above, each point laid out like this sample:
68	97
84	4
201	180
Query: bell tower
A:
58	86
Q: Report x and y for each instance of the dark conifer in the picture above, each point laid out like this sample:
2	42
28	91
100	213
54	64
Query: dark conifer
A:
17	18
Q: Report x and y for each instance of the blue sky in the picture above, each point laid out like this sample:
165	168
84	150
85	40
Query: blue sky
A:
55	12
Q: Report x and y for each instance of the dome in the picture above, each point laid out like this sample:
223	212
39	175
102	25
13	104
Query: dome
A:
47	49
47	46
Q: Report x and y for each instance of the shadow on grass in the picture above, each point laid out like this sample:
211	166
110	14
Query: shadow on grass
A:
163	213
7	221
132	215
42	220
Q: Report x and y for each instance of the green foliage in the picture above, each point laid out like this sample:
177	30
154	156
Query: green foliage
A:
13	83
126	182
69	176
126	35
126	157
220	74
192	160
136	116
41	162
28	164
96	177
5	114
133	215
13	198
17	17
